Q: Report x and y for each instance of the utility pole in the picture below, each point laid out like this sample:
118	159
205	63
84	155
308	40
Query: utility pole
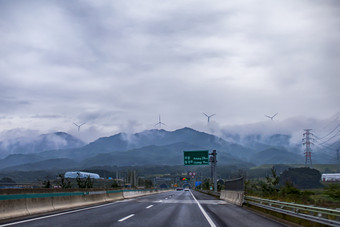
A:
307	142
213	162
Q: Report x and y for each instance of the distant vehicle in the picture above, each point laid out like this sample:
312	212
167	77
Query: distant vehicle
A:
330	177
186	189
79	174
179	189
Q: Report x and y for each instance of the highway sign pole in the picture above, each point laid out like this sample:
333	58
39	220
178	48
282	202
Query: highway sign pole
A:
213	162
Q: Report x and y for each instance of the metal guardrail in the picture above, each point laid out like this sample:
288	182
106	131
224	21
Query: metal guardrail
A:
320	215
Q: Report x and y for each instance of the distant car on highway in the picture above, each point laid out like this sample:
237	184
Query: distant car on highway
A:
186	189
179	189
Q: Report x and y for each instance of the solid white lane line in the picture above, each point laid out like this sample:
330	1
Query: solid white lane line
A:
59	214
212	224
149	206
127	217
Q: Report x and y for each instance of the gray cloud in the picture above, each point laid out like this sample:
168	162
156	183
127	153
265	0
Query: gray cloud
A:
117	65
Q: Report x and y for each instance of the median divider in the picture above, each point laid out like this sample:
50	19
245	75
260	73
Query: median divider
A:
133	193
39	205
16	205
136	193
234	197
12	208
114	195
68	200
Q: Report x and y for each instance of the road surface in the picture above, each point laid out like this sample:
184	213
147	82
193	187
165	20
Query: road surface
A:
175	208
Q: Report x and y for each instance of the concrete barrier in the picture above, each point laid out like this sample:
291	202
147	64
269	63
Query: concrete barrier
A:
39	205
12	208
114	195
234	197
136	193
16	205
133	193
95	197
67	201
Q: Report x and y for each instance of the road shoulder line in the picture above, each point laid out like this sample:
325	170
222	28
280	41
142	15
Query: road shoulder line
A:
212	224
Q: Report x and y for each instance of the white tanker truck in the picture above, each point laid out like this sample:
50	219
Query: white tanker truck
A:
75	174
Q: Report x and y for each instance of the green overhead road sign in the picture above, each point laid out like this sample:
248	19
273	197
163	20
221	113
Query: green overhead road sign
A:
196	158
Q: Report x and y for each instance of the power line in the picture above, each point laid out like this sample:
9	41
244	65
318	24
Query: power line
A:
326	142
336	118
337	133
331	131
323	147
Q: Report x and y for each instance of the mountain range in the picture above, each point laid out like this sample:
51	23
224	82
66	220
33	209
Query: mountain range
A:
150	147
30	145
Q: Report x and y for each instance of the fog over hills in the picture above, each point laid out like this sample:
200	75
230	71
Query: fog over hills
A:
30	144
153	147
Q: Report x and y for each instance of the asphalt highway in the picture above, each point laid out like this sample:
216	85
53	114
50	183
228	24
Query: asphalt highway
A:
175	208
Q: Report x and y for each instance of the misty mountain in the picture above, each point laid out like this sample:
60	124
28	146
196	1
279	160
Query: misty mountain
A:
50	164
125	142
260	142
171	154
160	147
33	145
276	156
148	147
322	157
19	159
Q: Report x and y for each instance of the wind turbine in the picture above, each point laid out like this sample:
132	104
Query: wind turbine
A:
271	117
208	116
78	125
160	123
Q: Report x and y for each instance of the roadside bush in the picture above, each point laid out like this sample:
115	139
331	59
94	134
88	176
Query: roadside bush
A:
115	184
62	182
269	188
85	182
333	191
46	184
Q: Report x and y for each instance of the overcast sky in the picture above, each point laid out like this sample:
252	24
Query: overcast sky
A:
117	65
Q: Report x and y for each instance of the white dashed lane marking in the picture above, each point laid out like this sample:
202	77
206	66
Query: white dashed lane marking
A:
127	217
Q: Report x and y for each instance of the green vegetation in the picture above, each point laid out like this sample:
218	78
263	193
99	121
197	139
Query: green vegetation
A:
206	184
333	191
47	183
322	168
292	185
115	184
62	182
84	182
